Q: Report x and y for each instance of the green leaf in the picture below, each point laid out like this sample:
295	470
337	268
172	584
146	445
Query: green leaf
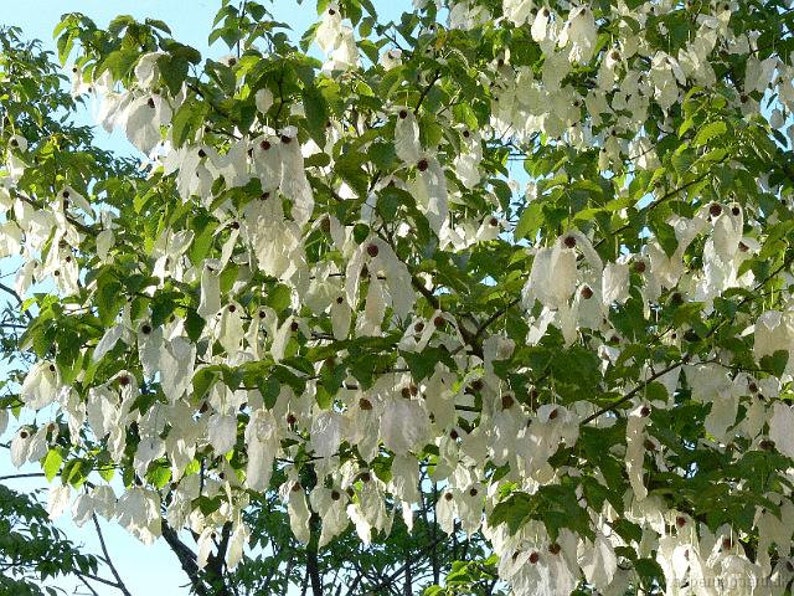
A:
683	159
316	110
180	50
159	475
530	221
270	389
194	325
651	573
513	511
324	398
52	464
383	156
173	70
75	472
188	119
710	131
203	379
279	298
109	297
119	63
349	167
158	24
665	234
655	391
775	363
422	364
208	505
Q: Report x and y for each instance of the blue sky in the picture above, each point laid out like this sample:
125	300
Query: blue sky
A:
142	568
190	20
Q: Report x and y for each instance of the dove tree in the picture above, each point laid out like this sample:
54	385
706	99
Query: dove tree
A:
530	261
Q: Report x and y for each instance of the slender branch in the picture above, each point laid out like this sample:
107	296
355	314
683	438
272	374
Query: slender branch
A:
430	548
494	317
628	397
242	13
120	583
305	584
9	290
96	578
407	588
754	294
426	90
353	585
282	101
17	297
653	204
312	555
75	222
428	295
18	476
434	534
87	585
217	562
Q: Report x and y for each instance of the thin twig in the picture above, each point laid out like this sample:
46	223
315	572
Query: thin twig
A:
494	317
18	476
187	558
87	585
636	390
426	90
121	587
17	297
653	204
75	222
96	578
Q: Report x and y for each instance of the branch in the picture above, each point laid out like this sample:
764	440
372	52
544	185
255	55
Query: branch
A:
628	397
87	585
18	476
75	222
754	294
95	578
11	291
428	295
312	555
389	580
242	14
187	558
17	297
214	571
494	317
426	90
659	201
108	561
434	534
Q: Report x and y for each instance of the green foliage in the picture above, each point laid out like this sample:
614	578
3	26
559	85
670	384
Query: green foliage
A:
32	550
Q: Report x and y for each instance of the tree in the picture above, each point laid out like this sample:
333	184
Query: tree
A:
327	283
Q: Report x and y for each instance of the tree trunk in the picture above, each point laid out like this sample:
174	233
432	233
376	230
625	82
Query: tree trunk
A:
209	581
